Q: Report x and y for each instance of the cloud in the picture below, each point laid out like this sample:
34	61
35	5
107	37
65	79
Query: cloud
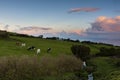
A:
77	31
105	29
32	30
83	10
5	27
65	34
35	28
105	24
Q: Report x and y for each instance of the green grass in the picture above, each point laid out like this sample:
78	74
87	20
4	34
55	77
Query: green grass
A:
8	47
104	66
95	47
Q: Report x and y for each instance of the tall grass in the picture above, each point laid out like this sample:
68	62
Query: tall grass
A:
35	68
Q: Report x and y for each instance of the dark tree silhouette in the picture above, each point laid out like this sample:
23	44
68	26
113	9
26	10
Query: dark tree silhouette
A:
81	51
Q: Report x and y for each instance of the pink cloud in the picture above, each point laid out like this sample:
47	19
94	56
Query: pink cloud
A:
106	24
77	31
35	28
31	30
83	10
118	18
105	29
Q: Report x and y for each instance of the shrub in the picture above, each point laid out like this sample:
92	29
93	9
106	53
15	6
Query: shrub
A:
115	75
109	52
59	65
116	62
53	38
33	68
81	51
4	34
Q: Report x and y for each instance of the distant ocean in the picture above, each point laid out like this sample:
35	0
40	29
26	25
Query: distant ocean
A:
113	42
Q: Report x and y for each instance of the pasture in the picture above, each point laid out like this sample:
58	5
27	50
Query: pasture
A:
8	47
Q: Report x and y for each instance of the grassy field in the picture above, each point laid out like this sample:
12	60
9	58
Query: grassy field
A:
104	67
9	48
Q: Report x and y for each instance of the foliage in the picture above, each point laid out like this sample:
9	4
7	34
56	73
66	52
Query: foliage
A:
109	52
81	51
115	75
20	35
4	34
116	61
33	68
53	38
90	42
70	40
103	68
40	36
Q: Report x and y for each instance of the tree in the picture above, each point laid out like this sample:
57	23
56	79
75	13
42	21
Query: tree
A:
4	34
40	36
81	51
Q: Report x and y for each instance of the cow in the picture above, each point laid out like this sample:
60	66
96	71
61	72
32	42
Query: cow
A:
18	43
23	44
84	64
48	50
31	48
38	51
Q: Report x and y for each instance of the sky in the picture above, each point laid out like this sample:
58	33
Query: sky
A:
89	20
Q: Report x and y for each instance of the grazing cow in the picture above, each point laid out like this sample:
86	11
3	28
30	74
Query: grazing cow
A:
31	48
18	43
23	44
38	51
48	50
84	64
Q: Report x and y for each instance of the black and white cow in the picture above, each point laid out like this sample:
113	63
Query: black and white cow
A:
31	48
48	50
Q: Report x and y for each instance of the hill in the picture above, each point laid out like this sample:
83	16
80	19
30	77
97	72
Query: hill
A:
104	65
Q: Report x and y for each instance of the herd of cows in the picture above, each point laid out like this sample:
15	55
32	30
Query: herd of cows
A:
31	47
90	76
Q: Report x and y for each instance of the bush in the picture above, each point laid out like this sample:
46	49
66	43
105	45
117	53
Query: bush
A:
115	75
4	34
33	68
59	65
81	51
116	62
109	52
53	38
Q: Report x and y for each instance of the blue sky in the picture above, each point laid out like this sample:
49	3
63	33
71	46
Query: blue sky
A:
71	18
